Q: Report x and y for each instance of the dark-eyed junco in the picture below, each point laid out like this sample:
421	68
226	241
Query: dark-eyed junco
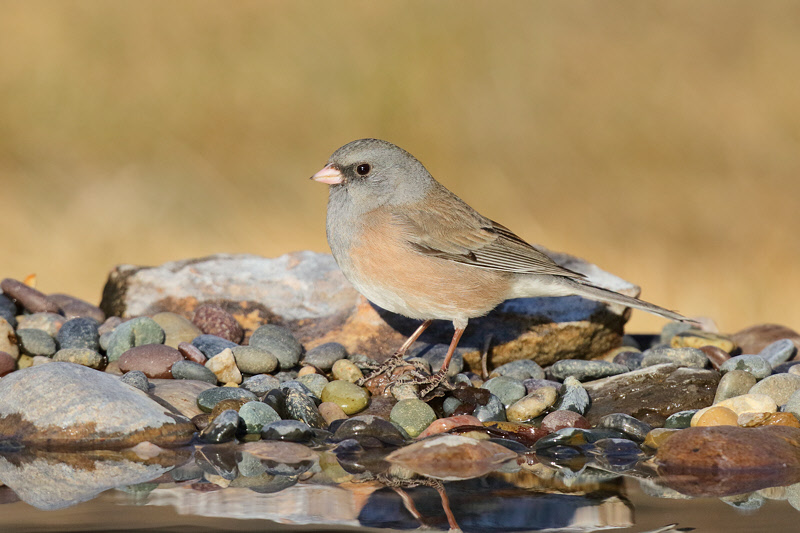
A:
413	247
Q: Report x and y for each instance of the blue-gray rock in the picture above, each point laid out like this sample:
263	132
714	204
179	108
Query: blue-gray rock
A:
301	407
754	364
212	345
434	354
35	342
280	342
450	405
256	415
135	332
633	360
222	429
287	375
261	383
207	399
573	397
80	356
521	370
508	389
734	383
687	357
314	382
631	427
680	420
778	352
79	333
324	355
584	370
252	360
136	378
8	310
290	430
494	410
191	370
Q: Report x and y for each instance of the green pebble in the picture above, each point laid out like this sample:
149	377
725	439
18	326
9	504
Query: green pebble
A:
207	399
680	420
508	389
256	415
135	332
35	342
413	416
314	382
347	370
349	396
252	360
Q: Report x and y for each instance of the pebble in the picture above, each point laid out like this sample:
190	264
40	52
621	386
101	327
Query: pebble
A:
443	425
214	320
508	389
306	370
779	387
7	363
8	339
80	356
450	405
752	420
573	397
222	429
26	361
224	405
34	342
346	370
754	364
73	307
413	416
325	355
715	355
28	297
520	370
211	345
734	383
746	403
658	436
349	396
715	416
331	412
111	323
8	310
280	342
369	426
261	383
681	356
177	329
695	338
630	426
256	415
564	419
301	388
314	382
190	352
301	407
531	405
139	331
629	358
434	355
585	370
276	399
671	329
223	365
778	352
136	378
155	360
287	375
79	333
405	391
252	360
191	370
493	410
50	323
207	399
793	404
756	338
36	360
289	430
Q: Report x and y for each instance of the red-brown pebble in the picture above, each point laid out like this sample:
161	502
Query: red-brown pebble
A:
7	363
28	297
214	320
192	353
446	424
564	419
155	360
74	307
716	355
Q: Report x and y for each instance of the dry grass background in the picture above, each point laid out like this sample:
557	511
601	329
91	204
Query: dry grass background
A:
658	140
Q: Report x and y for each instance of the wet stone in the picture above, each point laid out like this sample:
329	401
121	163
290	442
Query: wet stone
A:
191	370
585	370
631	427
680	420
280	342
715	416
492	410
778	352
331	412
363	426
325	355
207	399
135	332
261	384
450	405
618	454
734	383
658	436
177	329
223	365
155	360
80	356
211	345
508	389
223	428
413	416
256	415
214	320
301	388
50	323
746	403
301	407
631	359
573	397
695	338
79	333
748	420
346	370
136	378
564	419
35	342
520	370
716	356
28	297
532	405
349	396
288	430
754	364
276	399
190	352
315	383
252	360
779	387
224	405
683	356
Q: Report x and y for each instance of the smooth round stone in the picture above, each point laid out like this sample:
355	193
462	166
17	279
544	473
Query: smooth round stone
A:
671	329
28	297
111	323
7	364
214	320
349	396
753	420
346	370
778	352
289	430
136	378
252	360
680	420
315	383
224	405
585	370
222	429
658	436
249	465
256	415
756	365
434	355
531	405
287	375
405	391
211	345
682	356
564	419
207	399
35	342
493	411
190	352
715	416
6	339
573	397
795	370
508	389
301	388
450	405
72	307
793	404
362	426
191	370
734	383
520	370
413	416
37	360
715	355
155	360
631	427
301	407
80	356
325	355
280	342
223	365
47	322
177	329
779	387
631	359
261	384
139	331
746	403
331	412
8	310
694	338
276	399
79	333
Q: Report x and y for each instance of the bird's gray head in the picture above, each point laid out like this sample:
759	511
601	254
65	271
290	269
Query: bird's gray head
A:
370	173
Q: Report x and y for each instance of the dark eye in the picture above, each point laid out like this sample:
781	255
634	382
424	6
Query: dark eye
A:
363	169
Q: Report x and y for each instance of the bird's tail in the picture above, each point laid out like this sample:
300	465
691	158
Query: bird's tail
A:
593	292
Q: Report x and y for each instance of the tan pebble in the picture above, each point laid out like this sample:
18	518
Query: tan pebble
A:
715	416
346	370
477	435
697	339
773	493
40	360
794	370
113	368
330	412
611	354
656	437
750	403
752	420
223	365
24	361
231	384
306	370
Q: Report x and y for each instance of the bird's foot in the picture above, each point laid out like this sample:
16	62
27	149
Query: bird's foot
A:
386	367
435	381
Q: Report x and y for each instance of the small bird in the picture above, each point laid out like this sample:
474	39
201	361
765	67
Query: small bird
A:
412	247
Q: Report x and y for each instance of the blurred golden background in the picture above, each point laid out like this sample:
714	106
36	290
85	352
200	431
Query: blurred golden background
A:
660	141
